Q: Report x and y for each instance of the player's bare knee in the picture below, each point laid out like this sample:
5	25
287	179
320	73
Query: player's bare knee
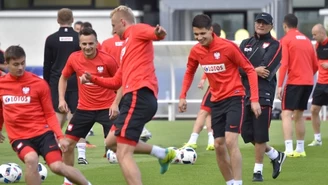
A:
315	109
31	160
57	167
219	143
232	141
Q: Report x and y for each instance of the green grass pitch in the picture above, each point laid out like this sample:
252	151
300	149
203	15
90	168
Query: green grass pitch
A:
296	171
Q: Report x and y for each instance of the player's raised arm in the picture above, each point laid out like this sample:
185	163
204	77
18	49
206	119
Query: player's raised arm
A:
147	32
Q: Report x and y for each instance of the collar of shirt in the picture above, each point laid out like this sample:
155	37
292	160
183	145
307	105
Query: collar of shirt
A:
262	37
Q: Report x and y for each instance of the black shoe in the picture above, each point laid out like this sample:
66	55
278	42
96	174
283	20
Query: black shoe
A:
82	161
277	164
257	177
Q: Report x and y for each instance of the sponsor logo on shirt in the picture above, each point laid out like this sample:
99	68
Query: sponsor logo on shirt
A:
248	49
7	100
214	68
300	37
65	39
26	90
119	43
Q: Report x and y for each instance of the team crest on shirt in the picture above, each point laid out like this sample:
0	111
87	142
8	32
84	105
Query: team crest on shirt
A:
265	45
26	90
217	55
100	69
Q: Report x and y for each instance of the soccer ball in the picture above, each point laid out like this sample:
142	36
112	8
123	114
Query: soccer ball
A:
8	173
188	155
20	171
177	158
42	171
111	157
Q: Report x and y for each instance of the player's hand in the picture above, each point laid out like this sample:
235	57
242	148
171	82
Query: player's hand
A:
279	93
182	105
256	108
63	143
62	106
201	84
160	31
262	72
113	111
2	138
324	65
86	78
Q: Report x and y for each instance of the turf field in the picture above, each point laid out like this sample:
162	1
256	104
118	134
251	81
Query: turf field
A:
296	171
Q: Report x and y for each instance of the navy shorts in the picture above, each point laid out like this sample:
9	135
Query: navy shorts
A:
83	120
296	97
137	108
256	129
227	115
320	95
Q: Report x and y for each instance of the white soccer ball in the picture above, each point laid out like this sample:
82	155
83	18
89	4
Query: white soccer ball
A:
111	157
188	155
8	173
43	171
177	158
20	171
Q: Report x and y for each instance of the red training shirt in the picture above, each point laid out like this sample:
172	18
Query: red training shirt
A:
220	61
26	107
323	73
137	68
92	96
113	47
298	59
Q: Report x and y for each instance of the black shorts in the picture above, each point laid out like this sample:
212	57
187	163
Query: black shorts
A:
206	102
83	120
137	109
296	97
71	98
256	129
320	95
227	115
42	145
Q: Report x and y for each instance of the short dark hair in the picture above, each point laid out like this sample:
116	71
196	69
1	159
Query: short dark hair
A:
78	23
86	25
88	31
216	29
291	21
202	21
14	52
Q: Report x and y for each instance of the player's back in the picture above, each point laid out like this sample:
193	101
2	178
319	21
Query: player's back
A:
59	46
300	58
23	113
137	56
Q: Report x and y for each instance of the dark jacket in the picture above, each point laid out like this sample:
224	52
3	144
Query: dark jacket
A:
58	48
262	51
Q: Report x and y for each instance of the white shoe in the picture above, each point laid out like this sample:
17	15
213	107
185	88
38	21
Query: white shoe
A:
145	135
315	143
